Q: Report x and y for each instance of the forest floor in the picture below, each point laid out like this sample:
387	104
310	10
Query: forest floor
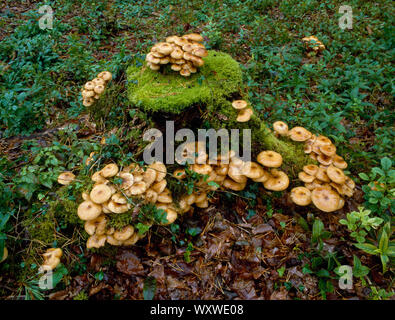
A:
254	244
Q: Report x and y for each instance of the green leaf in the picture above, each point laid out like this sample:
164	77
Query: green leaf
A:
318	226
281	271
364	176
391	251
323	273
386	163
383	244
359	270
368	248
149	288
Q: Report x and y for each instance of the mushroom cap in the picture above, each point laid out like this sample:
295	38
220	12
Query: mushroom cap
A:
105	75
310	169
118	208
299	134
202	204
136	189
233	185
149	176
265	176
88	210
99	89
66	178
98	82
165	196
235	173
222	170
154	66
5	255
324	159
202	168
97	225
119	198
109	170
171	215
301	196
160	169
325	199
96	241
252	170
100	193
132	240
199	52
303	176
124	234
175	67
97	177
151	196
188	56
172	39
281	128
278	181
185	73
349	183
308	148
197	62
164	48
328	150
188	47
336	174
339	162
51	263
53	252
87	93
159	186
114	242
89	85
193	37
164	60
127	180
239	104
244	115
321	175
181	41
322	141
270	159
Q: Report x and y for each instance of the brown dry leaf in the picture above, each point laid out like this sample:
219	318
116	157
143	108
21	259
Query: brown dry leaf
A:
129	264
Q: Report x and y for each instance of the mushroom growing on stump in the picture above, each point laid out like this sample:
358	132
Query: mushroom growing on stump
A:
94	89
301	196
66	178
278	181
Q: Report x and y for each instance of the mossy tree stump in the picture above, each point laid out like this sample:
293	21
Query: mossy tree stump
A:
206	97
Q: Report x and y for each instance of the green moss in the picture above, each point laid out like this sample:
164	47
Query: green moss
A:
169	92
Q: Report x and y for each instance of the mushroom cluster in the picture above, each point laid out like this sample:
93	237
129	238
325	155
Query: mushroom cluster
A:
92	90
66	178
324	184
107	197
245	112
313	44
183	53
51	258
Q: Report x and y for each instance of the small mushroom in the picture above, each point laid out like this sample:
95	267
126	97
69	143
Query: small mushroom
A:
66	178
105	75
136	189
159	186
280	128
96	241
51	258
278	181
301	196
97	225
339	162
244	115
119	198
321	175
118	208
149	176
239	104
127	180
303	176
160	169
310	169
299	134
109	170
325	199
88	210
336	175
252	170
270	159
100	193
233	185
124	234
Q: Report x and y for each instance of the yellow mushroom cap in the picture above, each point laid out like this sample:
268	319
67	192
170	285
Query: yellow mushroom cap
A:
328	150
299	134
96	241
281	128
89	85
202	168
301	196
114	242
151	196
171	216
239	104
202	204
118	208
55	252
233	185
336	175
109	170
303	176
88	210
265	176
185	72
310	169
99	89
278	181
119	198
349	183
97	177
324	159
322	141
175	67
160	169
270	159
325	199
193	37
98	82
199	52
150	175
244	115
252	170
124	234
164	48
100	193
172	39
235	173
127	180
159	186
165	196
66	178
339	162
105	75
97	225
136	189
132	240
321	175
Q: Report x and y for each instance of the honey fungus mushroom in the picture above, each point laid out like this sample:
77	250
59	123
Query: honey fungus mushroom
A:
66	178
51	258
89	210
281	128
301	196
325	199
278	181
100	193
270	159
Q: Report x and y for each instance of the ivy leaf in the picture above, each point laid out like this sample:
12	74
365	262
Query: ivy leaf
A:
149	288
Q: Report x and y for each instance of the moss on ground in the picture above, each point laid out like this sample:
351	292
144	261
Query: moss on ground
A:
212	88
169	92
